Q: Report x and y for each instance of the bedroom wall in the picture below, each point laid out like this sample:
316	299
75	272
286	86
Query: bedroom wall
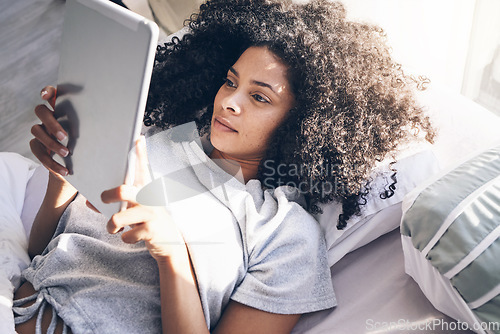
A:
428	37
450	41
482	72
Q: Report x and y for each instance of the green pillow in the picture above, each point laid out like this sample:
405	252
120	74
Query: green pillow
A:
455	224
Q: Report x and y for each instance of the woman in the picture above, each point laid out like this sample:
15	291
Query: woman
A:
304	102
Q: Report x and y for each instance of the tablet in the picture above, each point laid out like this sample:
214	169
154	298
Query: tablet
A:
106	59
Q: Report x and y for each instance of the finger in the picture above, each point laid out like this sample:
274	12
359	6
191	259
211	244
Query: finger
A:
40	152
50	143
122	193
132	216
53	127
142	174
137	233
48	93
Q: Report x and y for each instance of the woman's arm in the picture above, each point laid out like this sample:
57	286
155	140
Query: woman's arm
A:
181	307
180	302
58	196
59	192
182	311
239	318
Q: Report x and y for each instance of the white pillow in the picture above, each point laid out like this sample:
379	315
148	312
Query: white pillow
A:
464	127
15	172
378	216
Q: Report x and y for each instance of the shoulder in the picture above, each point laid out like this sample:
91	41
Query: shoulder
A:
280	210
287	267
284	196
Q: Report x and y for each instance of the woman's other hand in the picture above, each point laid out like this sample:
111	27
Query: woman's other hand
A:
49	134
151	224
59	192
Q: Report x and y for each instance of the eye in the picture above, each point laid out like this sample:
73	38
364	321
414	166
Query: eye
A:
260	98
229	83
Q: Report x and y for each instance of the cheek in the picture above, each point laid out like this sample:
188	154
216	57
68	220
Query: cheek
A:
219	96
266	127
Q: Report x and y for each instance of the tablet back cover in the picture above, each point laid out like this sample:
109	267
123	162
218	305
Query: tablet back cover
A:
106	59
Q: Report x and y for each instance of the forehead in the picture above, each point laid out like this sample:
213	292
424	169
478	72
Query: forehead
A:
259	60
259	64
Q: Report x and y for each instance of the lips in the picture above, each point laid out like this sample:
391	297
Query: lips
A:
223	125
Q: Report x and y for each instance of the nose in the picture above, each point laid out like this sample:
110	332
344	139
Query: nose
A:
233	102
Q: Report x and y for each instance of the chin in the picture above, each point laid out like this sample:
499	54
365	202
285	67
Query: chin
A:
218	143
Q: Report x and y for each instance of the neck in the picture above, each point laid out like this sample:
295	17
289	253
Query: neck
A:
232	165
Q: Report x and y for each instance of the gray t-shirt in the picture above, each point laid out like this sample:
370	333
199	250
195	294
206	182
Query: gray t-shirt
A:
259	248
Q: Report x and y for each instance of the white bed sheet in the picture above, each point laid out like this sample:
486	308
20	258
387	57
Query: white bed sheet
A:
376	296
15	174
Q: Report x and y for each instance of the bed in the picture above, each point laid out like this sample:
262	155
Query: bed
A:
368	264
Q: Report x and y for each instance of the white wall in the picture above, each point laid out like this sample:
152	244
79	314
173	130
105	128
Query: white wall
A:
485	38
449	41
430	37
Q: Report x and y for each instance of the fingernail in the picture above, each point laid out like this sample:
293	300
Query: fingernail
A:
63	152
43	93
63	172
60	135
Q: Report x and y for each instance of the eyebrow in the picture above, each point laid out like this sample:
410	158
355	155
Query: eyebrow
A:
258	83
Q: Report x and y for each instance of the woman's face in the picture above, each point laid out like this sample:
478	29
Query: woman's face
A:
251	104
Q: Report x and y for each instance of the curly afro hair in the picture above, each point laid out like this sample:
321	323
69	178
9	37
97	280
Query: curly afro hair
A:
354	104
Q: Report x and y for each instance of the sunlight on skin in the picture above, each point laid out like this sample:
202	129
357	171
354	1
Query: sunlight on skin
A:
280	89
249	107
